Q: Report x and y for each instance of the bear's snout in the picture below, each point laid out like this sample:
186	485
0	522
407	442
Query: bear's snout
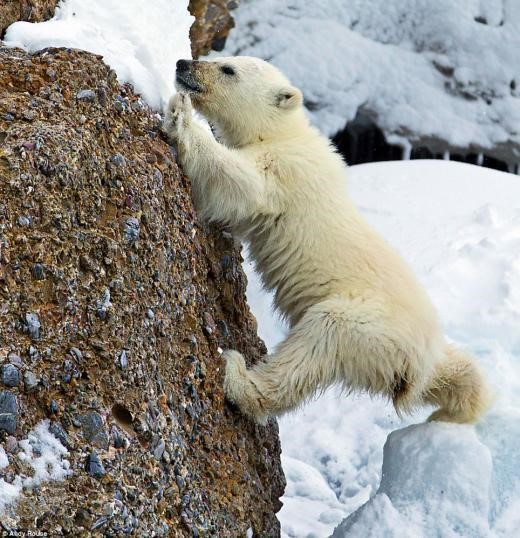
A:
183	65
185	77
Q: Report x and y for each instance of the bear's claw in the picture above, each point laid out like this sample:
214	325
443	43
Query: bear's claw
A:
178	114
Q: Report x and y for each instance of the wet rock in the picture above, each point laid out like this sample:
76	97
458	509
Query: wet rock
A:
10	375
8	412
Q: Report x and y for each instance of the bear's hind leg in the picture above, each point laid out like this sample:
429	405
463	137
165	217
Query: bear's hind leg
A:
301	365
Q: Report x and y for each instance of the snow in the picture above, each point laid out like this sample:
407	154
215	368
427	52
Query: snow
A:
426	72
43	453
458	226
4	461
140	42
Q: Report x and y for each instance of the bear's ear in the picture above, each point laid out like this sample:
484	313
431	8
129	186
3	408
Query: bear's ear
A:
289	98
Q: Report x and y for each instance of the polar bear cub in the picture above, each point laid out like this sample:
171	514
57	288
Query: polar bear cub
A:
357	315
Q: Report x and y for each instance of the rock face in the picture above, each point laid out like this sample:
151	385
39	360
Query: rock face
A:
114	302
213	21
25	10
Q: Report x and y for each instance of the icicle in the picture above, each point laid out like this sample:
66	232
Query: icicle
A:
407	151
480	159
446	155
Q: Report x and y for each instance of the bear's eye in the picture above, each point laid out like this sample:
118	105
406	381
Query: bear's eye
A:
227	70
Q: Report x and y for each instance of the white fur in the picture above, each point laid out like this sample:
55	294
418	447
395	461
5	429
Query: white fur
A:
357	314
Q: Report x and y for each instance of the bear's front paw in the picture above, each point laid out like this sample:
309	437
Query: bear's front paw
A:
178	115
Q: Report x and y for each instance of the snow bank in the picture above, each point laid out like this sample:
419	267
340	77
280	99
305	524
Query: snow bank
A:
141	41
429	73
459	227
44	454
436	482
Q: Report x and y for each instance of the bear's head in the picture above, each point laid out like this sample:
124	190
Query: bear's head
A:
246	99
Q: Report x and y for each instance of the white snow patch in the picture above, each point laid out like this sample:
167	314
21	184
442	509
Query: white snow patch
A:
46	456
458	226
140	40
4	461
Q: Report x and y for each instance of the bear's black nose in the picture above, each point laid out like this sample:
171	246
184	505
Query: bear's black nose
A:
183	65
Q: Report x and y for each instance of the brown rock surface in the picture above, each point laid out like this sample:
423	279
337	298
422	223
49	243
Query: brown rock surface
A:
99	244
25	10
213	21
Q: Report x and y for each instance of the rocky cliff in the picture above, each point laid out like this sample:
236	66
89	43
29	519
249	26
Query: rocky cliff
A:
114	302
213	21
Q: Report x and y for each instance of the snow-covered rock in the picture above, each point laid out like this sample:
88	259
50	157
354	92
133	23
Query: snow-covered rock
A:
435	482
141	51
43	454
441	74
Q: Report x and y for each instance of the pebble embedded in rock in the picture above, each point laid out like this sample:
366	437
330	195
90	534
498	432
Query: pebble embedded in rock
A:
118	160
15	359
11	444
10	375
158	451
131	229
118	439
34	354
38	271
76	353
8	412
122	359
30	381
53	407
32	325
223	328
24	221
87	96
103	304
94	466
94	429
57	430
